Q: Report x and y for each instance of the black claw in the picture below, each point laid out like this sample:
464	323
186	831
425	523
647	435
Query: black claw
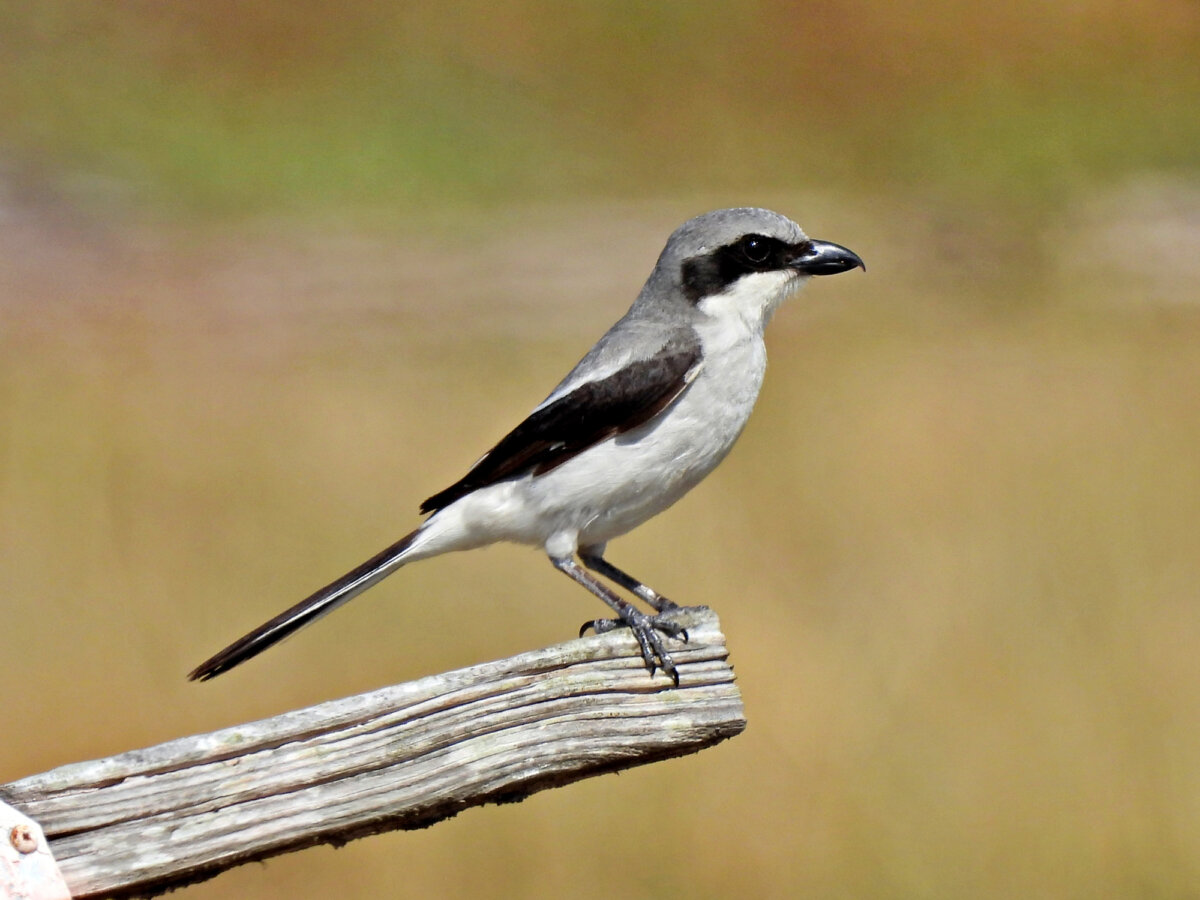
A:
601	626
648	631
646	641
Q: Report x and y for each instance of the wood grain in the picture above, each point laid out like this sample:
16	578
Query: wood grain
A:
400	757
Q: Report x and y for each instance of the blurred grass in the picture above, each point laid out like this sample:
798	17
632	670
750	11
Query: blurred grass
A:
222	108
259	260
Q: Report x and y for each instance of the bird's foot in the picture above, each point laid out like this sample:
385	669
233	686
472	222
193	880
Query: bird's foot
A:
662	604
649	631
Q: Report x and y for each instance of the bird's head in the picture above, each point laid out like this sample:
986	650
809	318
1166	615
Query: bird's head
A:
746	259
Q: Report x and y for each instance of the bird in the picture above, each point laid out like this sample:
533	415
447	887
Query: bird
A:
642	418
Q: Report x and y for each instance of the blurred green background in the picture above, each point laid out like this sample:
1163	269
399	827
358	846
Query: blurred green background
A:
257	260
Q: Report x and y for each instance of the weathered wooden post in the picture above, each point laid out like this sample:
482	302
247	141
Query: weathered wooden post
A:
400	757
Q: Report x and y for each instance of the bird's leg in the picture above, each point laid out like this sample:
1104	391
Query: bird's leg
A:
593	558
645	628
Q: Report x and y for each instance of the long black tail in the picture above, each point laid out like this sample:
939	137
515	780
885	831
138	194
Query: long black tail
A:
308	610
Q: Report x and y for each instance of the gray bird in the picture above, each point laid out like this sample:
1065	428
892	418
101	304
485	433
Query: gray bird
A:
651	409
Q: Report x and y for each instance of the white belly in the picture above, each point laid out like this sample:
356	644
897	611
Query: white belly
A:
617	485
621	483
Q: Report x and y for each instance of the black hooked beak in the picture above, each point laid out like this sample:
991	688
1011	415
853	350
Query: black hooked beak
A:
824	258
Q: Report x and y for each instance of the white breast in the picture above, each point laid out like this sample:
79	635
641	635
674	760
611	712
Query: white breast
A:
616	486
619	484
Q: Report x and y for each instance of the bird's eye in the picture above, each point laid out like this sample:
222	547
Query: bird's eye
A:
756	249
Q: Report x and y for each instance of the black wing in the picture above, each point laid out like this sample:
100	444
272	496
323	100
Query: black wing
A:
593	412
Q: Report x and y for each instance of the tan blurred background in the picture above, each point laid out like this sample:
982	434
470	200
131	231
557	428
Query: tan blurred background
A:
257	261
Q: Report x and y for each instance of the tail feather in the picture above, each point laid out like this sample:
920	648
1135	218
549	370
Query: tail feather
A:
308	610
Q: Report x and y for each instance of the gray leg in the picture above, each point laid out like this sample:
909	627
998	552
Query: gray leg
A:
593	558
645	628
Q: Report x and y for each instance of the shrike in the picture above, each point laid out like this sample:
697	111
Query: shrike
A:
644	416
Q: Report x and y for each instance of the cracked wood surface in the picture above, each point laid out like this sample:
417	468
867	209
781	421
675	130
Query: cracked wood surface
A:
404	756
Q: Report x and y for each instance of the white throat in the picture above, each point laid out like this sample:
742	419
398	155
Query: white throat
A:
752	299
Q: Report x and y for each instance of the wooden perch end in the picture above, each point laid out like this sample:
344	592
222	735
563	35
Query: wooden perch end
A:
405	756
